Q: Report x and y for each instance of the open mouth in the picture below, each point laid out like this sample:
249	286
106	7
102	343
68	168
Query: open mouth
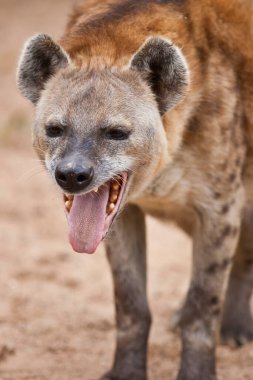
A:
91	215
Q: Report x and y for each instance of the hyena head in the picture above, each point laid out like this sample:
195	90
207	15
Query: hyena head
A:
99	131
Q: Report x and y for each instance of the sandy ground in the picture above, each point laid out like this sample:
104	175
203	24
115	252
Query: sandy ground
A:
56	307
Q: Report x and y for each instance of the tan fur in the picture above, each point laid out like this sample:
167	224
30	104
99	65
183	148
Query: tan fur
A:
196	169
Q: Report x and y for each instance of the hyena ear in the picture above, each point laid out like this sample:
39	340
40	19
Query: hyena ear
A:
40	59
164	67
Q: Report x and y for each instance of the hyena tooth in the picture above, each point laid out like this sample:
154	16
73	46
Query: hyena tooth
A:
115	186
68	197
111	207
113	197
68	205
96	189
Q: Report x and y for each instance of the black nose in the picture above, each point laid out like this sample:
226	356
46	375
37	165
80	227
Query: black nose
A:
73	177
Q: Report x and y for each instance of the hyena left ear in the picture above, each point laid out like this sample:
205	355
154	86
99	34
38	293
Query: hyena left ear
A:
41	58
164	67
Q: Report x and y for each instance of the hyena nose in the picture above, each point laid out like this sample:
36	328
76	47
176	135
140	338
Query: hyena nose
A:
73	178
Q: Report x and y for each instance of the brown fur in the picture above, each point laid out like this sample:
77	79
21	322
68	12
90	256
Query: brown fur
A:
202	177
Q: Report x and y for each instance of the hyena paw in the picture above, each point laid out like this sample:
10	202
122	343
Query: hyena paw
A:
237	332
237	322
117	376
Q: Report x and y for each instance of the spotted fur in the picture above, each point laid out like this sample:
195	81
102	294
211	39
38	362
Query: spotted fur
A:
179	76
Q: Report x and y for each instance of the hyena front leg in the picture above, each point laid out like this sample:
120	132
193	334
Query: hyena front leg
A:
126	251
214	245
237	324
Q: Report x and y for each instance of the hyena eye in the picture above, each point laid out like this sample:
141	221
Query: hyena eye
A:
54	130
117	134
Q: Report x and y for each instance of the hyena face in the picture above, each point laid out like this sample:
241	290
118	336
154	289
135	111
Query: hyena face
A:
103	122
100	132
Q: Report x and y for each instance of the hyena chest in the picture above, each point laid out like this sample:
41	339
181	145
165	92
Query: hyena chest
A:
169	196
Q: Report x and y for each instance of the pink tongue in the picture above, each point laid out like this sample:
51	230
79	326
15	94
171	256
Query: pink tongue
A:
86	220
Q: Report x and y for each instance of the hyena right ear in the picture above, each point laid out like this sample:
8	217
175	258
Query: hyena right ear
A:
40	59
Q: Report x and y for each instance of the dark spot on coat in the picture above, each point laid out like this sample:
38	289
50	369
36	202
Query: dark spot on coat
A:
197	306
215	267
225	208
217	311
214	300
232	177
225	263
197	303
216	195
224	233
249	262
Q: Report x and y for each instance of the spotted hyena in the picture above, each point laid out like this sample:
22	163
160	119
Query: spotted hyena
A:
145	107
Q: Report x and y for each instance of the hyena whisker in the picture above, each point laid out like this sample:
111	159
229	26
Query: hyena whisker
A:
28	177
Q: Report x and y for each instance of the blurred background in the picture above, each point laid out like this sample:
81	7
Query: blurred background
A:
56	307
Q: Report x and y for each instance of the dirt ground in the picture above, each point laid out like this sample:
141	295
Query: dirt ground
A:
56	307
